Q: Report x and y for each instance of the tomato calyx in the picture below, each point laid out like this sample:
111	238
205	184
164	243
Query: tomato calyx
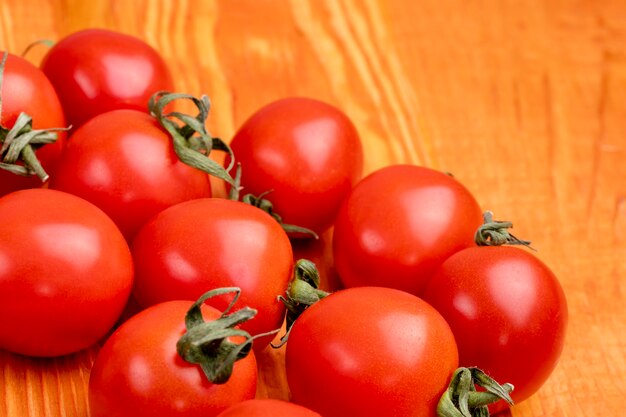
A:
496	233
17	154
266	205
302	292
461	399
192	142
207	344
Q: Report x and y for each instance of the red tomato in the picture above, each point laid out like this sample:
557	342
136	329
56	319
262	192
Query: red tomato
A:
26	89
399	224
267	408
306	152
209	243
95	71
139	373
370	352
507	311
65	273
124	162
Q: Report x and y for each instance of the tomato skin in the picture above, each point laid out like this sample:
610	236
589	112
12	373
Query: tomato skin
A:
65	273
210	243
267	408
125	163
508	313
370	351
398	224
139	373
308	153
96	70
26	89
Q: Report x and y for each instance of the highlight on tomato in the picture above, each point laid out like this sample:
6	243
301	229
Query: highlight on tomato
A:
267	407
133	165
365	351
32	125
208	243
66	273
97	70
506	308
180	358
304	155
399	224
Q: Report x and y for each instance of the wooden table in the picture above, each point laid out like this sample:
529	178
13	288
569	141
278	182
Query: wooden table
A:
524	101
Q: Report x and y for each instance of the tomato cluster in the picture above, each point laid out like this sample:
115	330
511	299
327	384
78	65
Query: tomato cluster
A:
111	234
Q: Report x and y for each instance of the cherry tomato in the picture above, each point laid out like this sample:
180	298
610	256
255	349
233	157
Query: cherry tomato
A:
208	243
267	408
124	162
96	70
138	372
370	351
65	273
507	311
26	89
399	223
306	152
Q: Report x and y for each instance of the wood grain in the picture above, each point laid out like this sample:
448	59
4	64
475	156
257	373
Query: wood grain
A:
522	100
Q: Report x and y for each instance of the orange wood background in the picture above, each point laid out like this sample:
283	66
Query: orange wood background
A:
523	100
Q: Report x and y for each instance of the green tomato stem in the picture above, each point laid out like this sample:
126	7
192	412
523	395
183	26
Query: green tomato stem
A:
192	142
302	292
208	344
45	42
266	205
496	233
461	399
20	142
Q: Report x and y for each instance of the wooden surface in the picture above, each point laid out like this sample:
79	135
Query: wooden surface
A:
524	101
